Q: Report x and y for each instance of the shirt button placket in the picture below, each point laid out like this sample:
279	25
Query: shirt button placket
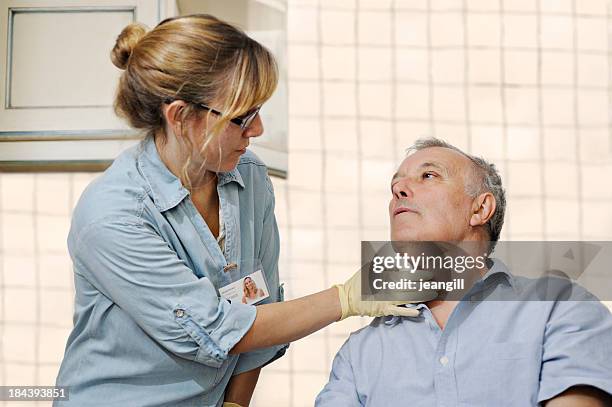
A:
443	378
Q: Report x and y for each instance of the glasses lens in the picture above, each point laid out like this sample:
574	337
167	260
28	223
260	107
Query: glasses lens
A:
248	117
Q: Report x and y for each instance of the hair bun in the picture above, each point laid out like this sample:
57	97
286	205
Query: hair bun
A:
125	43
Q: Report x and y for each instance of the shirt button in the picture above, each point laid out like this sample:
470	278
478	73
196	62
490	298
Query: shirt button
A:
179	313
444	360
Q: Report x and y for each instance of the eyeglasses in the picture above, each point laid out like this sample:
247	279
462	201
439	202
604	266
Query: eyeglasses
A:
243	121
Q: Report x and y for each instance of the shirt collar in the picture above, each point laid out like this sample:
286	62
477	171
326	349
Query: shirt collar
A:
167	191
391	320
497	272
231	176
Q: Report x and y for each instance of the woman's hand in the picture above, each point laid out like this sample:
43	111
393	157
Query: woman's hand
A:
349	295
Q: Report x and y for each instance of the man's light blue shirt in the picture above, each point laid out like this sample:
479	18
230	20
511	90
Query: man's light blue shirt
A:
490	353
149	326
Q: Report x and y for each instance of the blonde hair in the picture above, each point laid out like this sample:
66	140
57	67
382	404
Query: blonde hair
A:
245	291
196	58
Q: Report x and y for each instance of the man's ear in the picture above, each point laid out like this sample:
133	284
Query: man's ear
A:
483	209
172	114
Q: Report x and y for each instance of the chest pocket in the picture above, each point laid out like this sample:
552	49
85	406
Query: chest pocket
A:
503	374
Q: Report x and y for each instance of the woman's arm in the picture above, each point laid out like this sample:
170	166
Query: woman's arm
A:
284	322
240	388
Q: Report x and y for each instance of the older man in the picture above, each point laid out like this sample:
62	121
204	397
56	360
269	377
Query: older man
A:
470	353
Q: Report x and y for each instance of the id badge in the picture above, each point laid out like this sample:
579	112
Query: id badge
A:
248	284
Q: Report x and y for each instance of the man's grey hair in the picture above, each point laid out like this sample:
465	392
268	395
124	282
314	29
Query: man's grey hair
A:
485	178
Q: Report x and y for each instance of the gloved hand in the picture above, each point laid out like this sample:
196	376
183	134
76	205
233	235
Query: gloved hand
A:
349	294
226	404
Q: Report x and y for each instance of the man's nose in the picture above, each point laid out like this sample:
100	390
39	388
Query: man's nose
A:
255	129
401	190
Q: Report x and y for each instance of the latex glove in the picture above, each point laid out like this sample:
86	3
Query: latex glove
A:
350	300
226	404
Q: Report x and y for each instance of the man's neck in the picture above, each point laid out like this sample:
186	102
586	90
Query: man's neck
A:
442	309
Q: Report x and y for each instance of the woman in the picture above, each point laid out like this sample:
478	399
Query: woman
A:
176	219
250	291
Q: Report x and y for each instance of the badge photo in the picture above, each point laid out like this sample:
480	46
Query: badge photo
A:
249	289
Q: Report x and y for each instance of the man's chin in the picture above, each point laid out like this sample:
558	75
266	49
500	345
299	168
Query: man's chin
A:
403	231
405	237
413	235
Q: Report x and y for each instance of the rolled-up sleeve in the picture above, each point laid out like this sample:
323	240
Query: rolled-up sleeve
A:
576	348
128	262
268	254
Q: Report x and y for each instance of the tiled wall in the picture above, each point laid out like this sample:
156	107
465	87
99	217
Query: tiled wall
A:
36	288
524	83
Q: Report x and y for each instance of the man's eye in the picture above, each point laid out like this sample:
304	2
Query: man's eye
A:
427	175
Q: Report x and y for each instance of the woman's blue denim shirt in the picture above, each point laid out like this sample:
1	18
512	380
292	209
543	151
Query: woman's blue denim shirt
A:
149	326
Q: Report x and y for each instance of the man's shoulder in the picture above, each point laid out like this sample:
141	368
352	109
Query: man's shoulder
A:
383	329
375	327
